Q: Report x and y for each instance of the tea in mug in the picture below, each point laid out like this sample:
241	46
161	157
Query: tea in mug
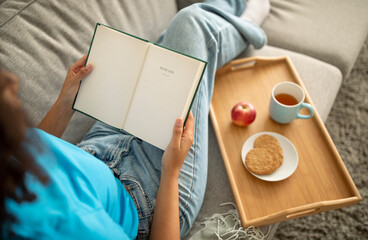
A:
286	99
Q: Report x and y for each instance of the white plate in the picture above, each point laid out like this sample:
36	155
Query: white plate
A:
289	164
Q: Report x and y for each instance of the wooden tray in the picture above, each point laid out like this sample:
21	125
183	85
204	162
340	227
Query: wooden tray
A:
321	181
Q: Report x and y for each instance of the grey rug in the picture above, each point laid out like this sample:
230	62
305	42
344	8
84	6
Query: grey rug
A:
347	125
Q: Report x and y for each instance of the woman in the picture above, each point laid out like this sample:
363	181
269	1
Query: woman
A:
53	189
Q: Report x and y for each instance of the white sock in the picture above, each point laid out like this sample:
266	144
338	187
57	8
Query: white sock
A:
256	11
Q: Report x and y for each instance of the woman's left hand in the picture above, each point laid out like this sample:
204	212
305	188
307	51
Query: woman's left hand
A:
57	119
72	81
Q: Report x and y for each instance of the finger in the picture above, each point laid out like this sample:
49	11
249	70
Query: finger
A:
189	125
78	64
177	132
83	72
187	138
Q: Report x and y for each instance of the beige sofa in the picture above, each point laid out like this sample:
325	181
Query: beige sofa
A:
40	39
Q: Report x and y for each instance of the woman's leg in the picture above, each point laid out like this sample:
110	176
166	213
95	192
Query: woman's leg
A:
210	31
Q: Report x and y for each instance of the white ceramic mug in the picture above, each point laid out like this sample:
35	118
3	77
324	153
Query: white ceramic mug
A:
286	111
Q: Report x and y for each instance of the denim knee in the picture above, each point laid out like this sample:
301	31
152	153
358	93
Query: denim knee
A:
189	32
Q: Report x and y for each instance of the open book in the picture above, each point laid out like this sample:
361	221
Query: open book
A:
137	85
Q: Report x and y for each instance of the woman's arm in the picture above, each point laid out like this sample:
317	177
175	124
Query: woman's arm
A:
58	117
166	223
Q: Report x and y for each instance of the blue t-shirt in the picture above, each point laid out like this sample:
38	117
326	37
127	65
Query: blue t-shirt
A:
82	200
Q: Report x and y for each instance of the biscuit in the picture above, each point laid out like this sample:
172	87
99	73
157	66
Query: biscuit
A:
264	140
276	151
260	161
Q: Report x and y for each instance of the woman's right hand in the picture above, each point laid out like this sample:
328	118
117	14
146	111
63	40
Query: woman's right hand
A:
165	224
178	148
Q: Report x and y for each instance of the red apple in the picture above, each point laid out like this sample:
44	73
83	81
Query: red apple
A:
243	114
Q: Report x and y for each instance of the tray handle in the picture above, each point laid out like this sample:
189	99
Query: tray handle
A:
250	62
291	213
305	210
288	214
245	63
302	213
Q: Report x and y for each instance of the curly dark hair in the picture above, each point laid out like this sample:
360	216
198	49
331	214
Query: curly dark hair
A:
15	161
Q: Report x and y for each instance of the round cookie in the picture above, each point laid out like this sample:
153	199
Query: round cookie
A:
276	151
260	161
264	140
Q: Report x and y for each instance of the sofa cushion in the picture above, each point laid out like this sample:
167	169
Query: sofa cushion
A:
332	31
40	39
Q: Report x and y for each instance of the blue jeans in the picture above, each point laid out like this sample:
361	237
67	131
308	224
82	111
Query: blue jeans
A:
211	31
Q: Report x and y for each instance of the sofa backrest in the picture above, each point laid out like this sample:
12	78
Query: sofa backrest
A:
40	39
